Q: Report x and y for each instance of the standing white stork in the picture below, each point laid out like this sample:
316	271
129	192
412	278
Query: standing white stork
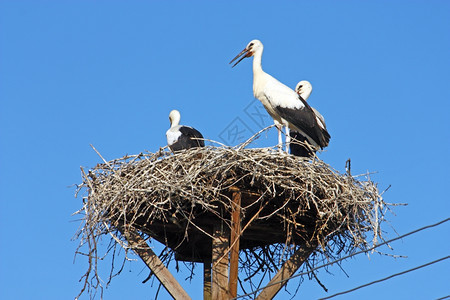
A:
282	103
304	89
182	137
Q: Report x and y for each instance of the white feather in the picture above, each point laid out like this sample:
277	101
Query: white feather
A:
173	134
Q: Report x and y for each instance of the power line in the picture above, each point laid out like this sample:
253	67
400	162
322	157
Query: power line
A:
348	256
445	297
386	278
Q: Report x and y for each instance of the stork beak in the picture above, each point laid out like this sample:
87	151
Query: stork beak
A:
244	53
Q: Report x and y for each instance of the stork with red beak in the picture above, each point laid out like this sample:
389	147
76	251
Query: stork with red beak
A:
282	103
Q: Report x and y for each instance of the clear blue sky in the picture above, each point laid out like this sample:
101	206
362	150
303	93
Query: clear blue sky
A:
108	73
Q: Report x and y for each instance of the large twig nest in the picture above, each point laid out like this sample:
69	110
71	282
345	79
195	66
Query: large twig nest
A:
287	202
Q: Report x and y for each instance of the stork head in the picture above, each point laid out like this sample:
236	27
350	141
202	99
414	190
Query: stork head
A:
304	89
174	118
249	51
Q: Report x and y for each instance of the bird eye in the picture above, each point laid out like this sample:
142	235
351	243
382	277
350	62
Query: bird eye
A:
300	86
251	44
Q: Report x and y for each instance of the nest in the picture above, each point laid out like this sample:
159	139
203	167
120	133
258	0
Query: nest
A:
287	202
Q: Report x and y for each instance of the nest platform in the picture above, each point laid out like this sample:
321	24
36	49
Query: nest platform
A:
182	200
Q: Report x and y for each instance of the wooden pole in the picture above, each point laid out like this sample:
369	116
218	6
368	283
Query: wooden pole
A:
219	287
138	244
234	242
207	279
286	271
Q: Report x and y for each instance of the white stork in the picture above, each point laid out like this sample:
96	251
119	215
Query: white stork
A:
304	89
282	103
182	137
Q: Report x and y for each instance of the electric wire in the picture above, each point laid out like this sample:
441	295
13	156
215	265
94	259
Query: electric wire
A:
386	278
347	256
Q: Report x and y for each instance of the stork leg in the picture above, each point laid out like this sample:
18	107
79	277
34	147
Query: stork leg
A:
288	139
280	138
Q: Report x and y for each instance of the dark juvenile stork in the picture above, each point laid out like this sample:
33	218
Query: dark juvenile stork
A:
181	137
282	103
304	89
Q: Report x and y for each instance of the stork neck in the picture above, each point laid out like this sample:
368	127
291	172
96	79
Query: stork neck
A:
305	95
257	67
175	122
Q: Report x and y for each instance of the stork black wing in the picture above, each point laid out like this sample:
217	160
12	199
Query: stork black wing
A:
305	120
193	137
